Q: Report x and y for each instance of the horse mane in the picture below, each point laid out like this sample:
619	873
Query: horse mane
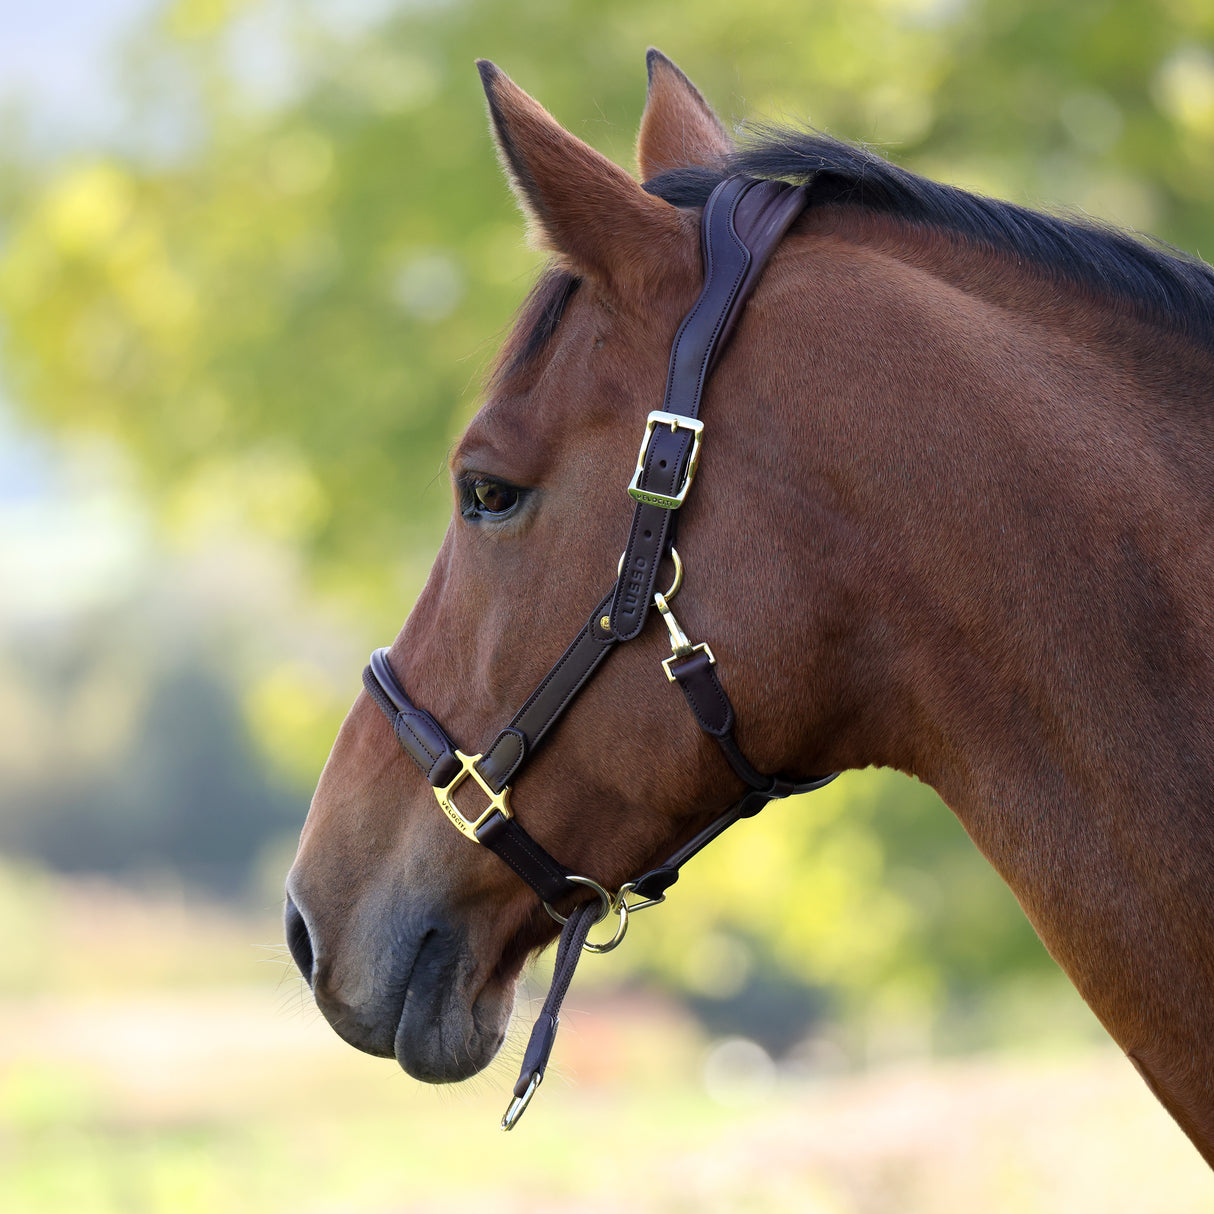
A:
1155	281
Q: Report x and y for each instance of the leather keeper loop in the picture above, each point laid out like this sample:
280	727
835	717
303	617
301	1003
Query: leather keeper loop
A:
706	697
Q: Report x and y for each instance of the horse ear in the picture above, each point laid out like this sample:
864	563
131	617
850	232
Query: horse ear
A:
579	205
679	127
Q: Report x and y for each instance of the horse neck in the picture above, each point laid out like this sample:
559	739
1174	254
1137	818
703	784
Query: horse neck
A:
1019	486
1029	477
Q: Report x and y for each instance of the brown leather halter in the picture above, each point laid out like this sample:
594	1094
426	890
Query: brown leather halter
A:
744	219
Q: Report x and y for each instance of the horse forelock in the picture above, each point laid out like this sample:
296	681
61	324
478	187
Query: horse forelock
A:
537	322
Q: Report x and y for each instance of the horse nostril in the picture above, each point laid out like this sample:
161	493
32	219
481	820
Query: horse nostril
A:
298	940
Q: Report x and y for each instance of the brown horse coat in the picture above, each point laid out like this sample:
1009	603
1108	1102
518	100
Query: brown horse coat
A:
953	516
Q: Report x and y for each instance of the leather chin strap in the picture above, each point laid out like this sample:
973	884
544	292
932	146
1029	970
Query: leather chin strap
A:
744	220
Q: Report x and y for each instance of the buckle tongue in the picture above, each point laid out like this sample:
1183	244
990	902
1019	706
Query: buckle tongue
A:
676	421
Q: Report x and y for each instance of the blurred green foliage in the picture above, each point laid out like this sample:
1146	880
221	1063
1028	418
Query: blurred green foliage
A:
280	301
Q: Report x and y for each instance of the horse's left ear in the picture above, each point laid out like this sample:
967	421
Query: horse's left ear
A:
588	211
679	128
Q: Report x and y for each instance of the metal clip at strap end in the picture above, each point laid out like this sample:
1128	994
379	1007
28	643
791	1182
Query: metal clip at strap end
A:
518	1106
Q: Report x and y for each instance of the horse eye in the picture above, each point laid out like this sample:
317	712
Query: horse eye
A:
494	497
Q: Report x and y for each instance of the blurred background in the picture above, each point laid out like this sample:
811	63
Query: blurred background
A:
254	258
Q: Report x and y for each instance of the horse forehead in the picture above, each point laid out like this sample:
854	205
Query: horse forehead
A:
575	386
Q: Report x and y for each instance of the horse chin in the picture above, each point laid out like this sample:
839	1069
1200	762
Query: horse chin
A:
444	1036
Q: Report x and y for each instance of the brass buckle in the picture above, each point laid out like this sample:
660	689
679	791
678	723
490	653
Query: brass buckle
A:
499	802
676	421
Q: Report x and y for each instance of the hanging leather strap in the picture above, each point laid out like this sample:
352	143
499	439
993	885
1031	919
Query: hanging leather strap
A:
543	1031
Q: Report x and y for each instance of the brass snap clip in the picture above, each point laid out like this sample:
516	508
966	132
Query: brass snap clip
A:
518	1106
680	646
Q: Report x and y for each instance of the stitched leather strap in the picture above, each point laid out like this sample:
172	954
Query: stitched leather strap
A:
549	700
743	221
422	737
512	844
710	705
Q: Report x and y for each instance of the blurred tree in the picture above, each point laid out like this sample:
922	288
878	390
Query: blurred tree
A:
141	774
284	307
280	292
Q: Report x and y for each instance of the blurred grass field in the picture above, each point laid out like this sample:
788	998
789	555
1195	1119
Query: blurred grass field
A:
158	1056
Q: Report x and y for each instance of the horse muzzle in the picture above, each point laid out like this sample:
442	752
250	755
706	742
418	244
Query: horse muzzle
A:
406	986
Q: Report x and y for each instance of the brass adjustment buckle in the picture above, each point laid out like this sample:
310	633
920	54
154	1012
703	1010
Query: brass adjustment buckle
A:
499	802
681	646
676	421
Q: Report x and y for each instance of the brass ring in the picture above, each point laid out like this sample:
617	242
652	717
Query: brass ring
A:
678	572
617	904
622	910
604	897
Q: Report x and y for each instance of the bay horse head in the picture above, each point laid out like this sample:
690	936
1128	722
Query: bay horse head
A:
949	518
413	936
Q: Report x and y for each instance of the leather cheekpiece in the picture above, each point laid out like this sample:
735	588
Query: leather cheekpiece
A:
743	222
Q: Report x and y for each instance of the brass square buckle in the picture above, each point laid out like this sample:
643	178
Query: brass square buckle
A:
499	802
675	421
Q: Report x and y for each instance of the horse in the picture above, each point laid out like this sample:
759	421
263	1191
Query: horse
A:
954	515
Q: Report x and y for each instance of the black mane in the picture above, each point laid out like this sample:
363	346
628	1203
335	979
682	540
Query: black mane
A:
1159	283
